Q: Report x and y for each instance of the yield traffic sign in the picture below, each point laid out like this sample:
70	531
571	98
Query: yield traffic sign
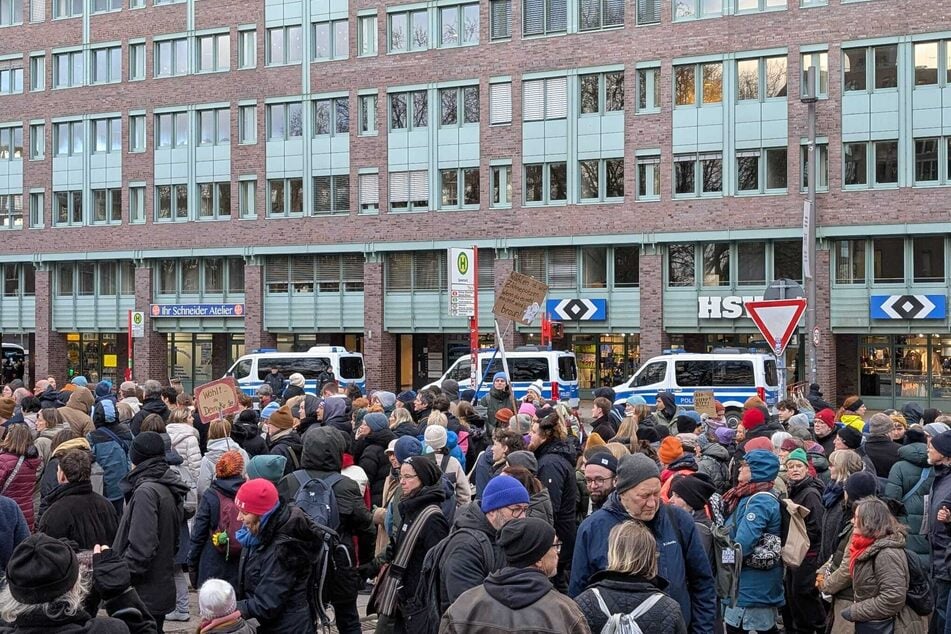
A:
777	319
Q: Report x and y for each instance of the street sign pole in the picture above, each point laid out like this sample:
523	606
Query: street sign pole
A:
474	320
128	370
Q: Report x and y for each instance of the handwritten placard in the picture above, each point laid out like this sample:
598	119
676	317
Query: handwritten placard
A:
703	403
521	298
217	399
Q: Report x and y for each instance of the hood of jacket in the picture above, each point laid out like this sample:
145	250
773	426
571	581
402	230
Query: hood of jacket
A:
686	462
172	457
557	448
795	488
517	588
243	431
716	451
154	470
381	438
177	431
912	412
81	399
613	506
219	446
68	489
888	541
296	529
471	516
335	413
670	409
73	443
916	453
627	583
323	449
228	486
155	406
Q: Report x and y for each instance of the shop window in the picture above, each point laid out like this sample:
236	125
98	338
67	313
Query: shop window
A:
168	277
681	264
626	267
787	260
929	258
595	263
850	262
716	264
889	260
751	263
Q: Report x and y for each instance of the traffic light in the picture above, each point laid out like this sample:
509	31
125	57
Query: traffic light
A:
557	330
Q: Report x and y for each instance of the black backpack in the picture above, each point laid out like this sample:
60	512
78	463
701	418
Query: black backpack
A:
920	596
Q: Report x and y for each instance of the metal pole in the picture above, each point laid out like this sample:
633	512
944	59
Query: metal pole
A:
474	320
809	227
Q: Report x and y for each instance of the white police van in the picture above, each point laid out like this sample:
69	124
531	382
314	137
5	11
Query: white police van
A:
557	370
732	375
250	370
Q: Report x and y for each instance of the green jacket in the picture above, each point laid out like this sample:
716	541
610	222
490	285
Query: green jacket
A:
903	477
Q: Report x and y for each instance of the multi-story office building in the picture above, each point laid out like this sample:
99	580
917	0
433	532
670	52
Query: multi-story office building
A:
307	162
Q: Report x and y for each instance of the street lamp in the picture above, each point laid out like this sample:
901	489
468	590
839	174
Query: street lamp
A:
810	98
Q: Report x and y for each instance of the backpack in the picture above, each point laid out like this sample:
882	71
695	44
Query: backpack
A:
228	525
443	465
448	507
793	534
316	498
920	595
190	503
625	623
113	457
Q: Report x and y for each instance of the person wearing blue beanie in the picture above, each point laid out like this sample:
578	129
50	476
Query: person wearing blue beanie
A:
503	491
407	446
500	375
269	409
80	381
375	421
636	399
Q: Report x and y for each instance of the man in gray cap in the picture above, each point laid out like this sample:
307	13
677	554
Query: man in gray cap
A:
683	561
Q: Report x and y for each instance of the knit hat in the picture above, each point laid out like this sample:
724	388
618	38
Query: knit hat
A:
791	444
296	379
855	405
376	421
605	460
426	469
216	599
267	466
880	425
7	405
41	569
861	484
798	455
257	497
501	491
648	433
670	449
764	465
801	432
504	415
797	419
387	400
931	429
636	399
724	435
467	395
435	437
694	415
689	441
269	409
523	424
281	419
526	408
103	388
525	541
812	447
942	443
685	424
827	416
80	381
523	459
633	469
146	445
406	397
500	375
104	413
753	418
406	447
230	464
695	489
537	386
761	443
851	437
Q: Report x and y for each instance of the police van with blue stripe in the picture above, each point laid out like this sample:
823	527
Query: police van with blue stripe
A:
346	367
732	375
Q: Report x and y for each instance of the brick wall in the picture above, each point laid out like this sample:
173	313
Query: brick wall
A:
151	351
379	347
49	353
256	335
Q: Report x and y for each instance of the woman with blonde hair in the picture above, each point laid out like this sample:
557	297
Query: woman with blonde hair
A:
627	431
842	464
401	422
219	441
631	584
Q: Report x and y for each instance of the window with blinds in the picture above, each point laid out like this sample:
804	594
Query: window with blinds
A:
599	14
331	194
648	11
399	271
351	272
486	269
38	11
409	190
532	262
500	103
543	17
369	193
500	19
428	270
325	273
562	267
545	99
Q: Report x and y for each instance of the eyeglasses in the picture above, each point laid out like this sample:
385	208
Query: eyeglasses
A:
596	481
517	511
404	478
557	547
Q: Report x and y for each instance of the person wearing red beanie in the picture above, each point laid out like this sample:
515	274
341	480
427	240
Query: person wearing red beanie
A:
256	497
753	418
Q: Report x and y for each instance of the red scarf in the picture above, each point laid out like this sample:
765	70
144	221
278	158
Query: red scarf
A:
857	546
209	625
732	497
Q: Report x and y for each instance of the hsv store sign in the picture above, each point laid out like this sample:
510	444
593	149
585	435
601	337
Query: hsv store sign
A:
729	307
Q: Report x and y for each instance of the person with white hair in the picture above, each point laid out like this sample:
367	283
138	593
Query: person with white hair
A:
218	609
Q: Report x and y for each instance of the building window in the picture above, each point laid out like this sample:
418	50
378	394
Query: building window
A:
546	183
698	174
171	57
247	189
68	138
136	61
409	191
37	141
309	274
928	259
751	6
601	180
247	124
136	205
171	202
626	267
37	208
68	70
500	19
927	162
214	200
11	81
11	144
751	263
409	31
37	72
214	53
136	4
11	12
331	194
875	66
761	171
544	17
933	63
602	92
458	106
107	206
648	12
137	133
705	80
11	211
880	156
367	114
366	35
648	178
681	265
409	110
886	162
67	8
459	188
284	45
247	48
286	196
106	66
648	90
716	263
369	193
68	208
107	135
500	103
821	61
693	9
331	40
600	14
171	130
501	185
855	163
888	261
214	126
822	176
761	78
849	261
787	260
38	11
544	99
459	25
332	116
285	121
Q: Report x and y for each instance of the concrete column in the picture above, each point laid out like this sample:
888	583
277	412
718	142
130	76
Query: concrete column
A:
379	346
653	337
151	350
255	334
49	353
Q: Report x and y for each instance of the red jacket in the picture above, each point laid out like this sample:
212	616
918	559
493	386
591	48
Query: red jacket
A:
20	489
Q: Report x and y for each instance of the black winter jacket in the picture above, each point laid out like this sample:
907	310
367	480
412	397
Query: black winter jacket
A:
370	454
288	445
623	594
883	452
938	532
437	528
76	512
406	429
815	399
834	518
808	493
150	406
209	561
471	556
149	531
248	436
556	470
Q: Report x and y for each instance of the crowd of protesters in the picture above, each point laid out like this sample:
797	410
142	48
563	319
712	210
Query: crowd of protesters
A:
465	515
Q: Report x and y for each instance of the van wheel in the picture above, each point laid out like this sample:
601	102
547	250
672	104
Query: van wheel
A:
733	418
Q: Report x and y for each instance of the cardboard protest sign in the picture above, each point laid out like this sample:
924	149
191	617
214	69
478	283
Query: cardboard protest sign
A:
703	403
217	399
521	298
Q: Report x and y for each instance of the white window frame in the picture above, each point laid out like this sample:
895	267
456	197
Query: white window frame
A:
417	183
38	72
460	175
762	171
333	40
218	212
13	13
177	119
247	191
367	35
546	185
367	106
500	103
283	32
686	10
112	128
72	81
218	65
650	180
602	93
71	220
410	97
603	8
175	57
72	128
602	167
11	212
762	64
333	116
822	149
809	59
553	102
409	17
136	204
63	9
286	110
698	160
647	83
334	186
547	29
698	83
501	173
247	122
37	209
459	10
175	214
8	143
114	5
111	195
247	48
114	73
368	185
287	211
220	126
460	108
136	61
10	80
760	6
137	136
37	133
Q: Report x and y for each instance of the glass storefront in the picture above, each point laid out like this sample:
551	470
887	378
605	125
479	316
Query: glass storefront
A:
608	359
193	360
94	355
895	369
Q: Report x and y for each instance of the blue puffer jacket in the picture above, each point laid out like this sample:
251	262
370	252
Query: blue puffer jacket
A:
685	566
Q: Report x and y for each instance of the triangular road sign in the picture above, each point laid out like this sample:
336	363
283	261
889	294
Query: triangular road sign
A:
777	319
